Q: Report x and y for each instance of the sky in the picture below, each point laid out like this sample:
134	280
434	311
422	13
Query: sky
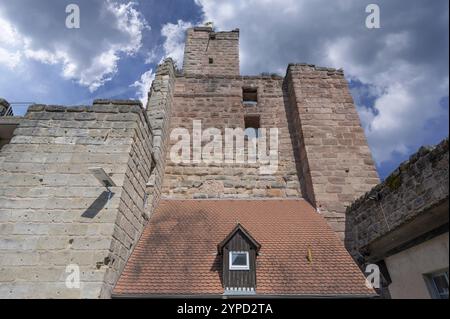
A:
398	73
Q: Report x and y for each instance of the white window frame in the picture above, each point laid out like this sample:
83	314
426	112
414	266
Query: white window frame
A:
234	267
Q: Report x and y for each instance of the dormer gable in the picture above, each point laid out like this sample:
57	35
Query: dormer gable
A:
239	251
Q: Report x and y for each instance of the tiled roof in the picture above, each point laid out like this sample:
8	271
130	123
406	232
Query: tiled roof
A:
177	252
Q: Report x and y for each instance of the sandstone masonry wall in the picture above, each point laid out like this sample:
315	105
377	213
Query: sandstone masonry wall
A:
211	53
159	108
331	143
53	212
414	188
217	103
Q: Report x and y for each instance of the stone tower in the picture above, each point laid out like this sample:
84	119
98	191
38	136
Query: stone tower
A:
323	155
54	213
211	53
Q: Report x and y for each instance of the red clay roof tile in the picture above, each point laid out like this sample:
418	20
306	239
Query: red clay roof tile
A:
177	252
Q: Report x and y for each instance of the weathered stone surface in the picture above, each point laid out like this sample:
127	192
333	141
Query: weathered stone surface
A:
335	163
211	53
55	213
415	187
222	108
159	109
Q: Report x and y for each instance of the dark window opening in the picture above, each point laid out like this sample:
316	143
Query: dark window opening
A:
250	96
152	163
252	125
211	60
438	284
152	179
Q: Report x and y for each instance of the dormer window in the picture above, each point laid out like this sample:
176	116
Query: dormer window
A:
239	251
239	260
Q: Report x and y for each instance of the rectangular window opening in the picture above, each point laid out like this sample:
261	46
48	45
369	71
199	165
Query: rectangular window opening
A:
252	125
239	260
211	60
250	96
438	284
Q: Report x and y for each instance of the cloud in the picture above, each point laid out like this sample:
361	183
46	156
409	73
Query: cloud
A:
175	35
152	56
402	68
143	86
173	47
88	55
9	59
10	42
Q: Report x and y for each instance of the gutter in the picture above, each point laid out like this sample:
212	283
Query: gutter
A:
212	296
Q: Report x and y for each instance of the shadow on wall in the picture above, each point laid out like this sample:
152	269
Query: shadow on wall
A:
98	204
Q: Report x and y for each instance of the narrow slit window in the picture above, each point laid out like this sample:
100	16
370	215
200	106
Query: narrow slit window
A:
250	96
211	60
239	260
152	163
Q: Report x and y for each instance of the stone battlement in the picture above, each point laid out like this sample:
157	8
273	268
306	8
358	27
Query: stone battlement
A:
412	190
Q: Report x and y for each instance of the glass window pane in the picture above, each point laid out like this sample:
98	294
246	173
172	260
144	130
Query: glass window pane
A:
441	283
239	259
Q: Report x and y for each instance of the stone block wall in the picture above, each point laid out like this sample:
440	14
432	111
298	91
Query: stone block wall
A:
159	108
335	159
7	126
53	212
217	103
415	187
211	53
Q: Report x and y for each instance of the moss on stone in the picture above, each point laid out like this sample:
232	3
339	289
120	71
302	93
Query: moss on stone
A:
394	181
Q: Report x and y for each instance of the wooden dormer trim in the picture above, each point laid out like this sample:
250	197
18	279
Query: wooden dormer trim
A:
241	228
